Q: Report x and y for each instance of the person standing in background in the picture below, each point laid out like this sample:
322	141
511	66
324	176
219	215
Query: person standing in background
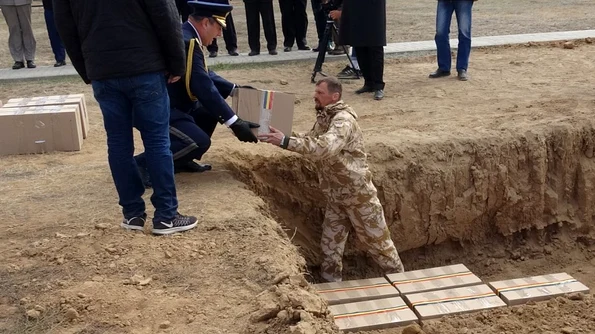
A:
21	41
463	10
320	20
55	41
254	10
294	21
229	36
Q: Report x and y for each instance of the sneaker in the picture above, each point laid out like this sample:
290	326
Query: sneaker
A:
462	75
134	223
349	73
180	223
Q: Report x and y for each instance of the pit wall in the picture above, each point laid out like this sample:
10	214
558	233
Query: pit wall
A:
457	190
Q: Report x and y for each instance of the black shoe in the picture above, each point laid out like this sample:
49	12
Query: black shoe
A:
287	49
273	52
439	74
462	75
254	53
31	64
378	95
316	49
134	223
191	167
337	51
364	89
18	65
233	53
60	63
212	54
180	223
349	73
303	48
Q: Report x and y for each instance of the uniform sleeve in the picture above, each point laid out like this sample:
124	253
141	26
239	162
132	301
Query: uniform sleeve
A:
325	146
164	17
203	87
69	35
223	86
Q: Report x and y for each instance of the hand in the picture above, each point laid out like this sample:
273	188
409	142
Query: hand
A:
172	78
335	14
243	130
275	137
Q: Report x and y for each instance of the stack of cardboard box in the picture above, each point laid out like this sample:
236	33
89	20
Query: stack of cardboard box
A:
43	124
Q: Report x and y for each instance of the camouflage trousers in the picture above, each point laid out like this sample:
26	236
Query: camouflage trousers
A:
367	219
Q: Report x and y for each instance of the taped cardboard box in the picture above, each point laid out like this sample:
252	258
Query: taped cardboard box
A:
373	314
265	107
30	130
436	304
77	99
433	279
356	290
537	288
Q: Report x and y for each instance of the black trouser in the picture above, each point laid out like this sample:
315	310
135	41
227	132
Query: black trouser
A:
294	21
254	10
319	18
183	9
371	63
229	36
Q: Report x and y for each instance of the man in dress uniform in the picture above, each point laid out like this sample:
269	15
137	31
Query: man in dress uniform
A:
294	22
198	100
336	145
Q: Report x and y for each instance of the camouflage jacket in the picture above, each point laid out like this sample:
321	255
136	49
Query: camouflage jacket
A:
336	145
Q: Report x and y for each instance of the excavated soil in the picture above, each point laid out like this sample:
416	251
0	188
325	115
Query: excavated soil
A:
495	173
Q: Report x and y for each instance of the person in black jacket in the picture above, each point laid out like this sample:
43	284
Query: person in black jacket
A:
363	26
55	41
294	21
128	50
254	10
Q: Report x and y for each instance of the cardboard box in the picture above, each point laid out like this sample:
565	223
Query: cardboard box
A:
77	99
537	288
433	279
435	304
356	290
266	108
374	314
29	130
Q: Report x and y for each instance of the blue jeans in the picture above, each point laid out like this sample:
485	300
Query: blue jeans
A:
462	8
142	102
55	41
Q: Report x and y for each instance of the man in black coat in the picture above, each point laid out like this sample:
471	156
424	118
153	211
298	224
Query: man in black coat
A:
294	22
128	50
363	26
254	10
55	41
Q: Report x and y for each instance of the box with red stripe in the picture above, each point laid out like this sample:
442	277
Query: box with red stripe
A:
537	288
372	314
356	290
436	304
433	279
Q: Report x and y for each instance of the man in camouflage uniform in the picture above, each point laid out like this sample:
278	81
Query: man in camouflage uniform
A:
336	144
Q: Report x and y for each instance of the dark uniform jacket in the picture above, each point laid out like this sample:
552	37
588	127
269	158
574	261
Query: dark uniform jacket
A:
363	23
115	39
209	89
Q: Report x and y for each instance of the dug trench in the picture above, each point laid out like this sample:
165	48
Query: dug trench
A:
506	207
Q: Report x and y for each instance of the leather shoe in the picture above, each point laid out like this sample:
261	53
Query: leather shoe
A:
287	49
254	53
378	95
212	54
364	89
303	48
462	75
60	63
233	53
31	64
439	74
18	65
273	52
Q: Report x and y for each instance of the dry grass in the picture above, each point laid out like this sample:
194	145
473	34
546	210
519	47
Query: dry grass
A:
407	21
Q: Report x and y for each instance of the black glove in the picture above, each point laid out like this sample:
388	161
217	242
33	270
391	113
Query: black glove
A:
243	130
